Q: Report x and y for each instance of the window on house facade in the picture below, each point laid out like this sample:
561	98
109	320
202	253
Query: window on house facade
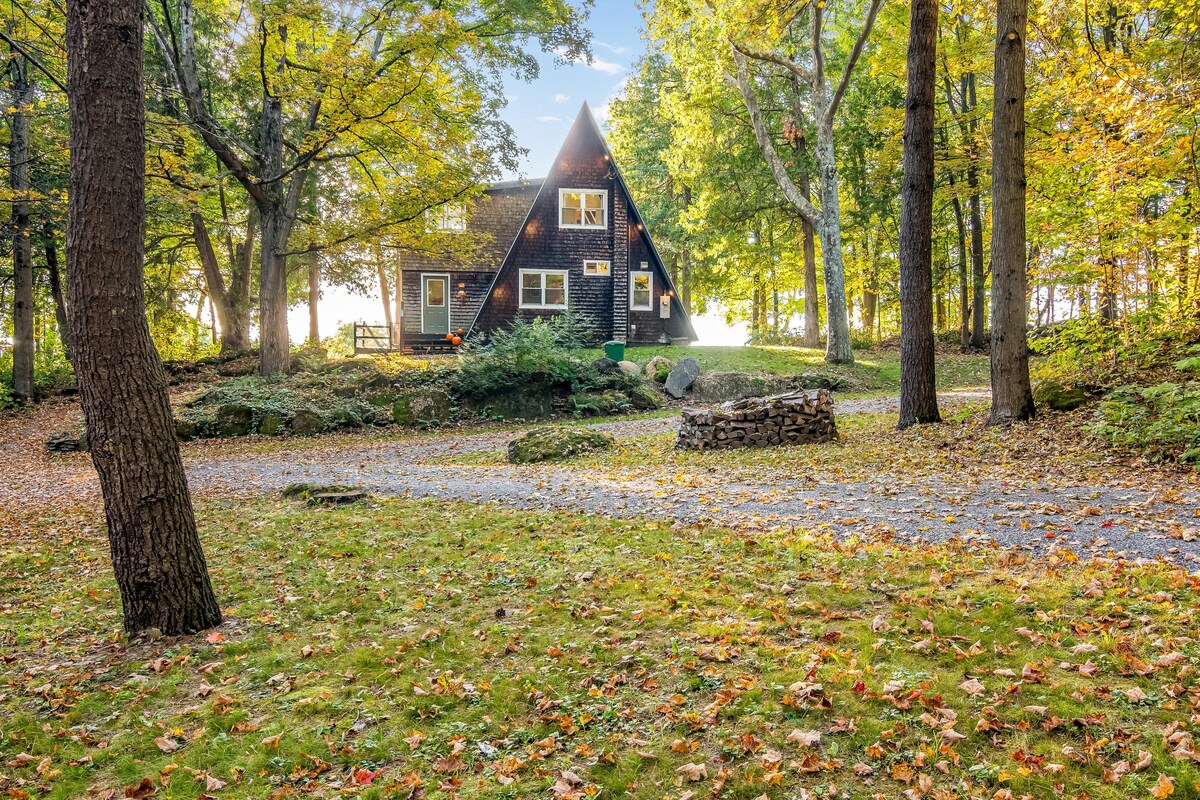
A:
641	291
597	268
583	208
543	288
451	218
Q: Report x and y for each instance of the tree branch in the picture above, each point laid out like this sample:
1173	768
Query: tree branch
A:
801	203
863	35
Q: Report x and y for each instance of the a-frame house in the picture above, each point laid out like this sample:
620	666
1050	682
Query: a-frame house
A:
572	240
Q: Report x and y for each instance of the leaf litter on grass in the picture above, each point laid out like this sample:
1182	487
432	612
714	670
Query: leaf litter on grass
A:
422	649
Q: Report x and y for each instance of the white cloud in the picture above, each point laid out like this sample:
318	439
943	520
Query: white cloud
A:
598	64
561	98
549	119
612	48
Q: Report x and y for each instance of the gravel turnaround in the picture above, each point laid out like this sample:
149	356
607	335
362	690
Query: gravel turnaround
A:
1092	520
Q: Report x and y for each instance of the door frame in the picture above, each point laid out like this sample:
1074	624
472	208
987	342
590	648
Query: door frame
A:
441	276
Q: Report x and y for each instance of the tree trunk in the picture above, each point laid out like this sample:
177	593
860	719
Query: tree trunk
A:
398	308
217	292
918	386
1012	399
274	355
19	154
314	294
56	293
812	309
837	348
155	549
964	293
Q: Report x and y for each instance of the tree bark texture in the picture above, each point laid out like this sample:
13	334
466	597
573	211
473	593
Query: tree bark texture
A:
1012	398
155	549
812	308
19	154
978	273
918	388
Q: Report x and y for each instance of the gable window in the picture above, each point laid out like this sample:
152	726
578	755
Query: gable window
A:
597	268
543	288
641	291
583	208
450	218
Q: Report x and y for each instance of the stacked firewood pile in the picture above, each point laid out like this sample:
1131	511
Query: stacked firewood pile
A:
802	417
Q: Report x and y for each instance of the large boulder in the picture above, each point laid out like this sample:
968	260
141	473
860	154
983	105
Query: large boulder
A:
1059	396
606	366
682	377
425	406
547	444
234	419
643	398
525	402
719	387
821	380
599	404
629	367
306	422
658	368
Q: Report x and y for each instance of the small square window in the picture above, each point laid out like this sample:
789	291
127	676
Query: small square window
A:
641	291
448	218
602	268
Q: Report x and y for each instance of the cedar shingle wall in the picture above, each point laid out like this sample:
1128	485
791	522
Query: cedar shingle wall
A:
462	312
544	245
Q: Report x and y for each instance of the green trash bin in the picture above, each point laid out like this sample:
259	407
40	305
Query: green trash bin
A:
614	350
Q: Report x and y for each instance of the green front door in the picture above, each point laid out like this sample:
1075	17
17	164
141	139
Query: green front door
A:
435	304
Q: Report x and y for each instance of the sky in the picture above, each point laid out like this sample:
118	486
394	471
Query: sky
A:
540	114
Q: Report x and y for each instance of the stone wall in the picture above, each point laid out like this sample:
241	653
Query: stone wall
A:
803	417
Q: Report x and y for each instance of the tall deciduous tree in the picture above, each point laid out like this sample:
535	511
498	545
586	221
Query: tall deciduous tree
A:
824	100
918	389
155	548
19	154
372	82
1012	398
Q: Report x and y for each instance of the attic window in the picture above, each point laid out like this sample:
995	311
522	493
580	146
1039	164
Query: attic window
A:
583	208
450	218
602	268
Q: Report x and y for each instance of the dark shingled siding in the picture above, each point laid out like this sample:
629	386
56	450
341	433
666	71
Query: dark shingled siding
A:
583	163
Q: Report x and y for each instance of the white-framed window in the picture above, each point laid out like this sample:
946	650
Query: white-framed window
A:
641	291
602	268
449	217
543	288
583	208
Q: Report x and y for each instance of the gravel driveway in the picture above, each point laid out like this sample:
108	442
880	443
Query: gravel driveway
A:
1147	522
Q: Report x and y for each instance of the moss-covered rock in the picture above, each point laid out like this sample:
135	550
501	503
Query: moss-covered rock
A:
306	422
822	380
548	444
658	368
425	406
273	423
234	419
600	404
718	387
526	402
644	398
1059	396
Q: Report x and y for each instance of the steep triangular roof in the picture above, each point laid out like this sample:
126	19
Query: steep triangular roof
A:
585	125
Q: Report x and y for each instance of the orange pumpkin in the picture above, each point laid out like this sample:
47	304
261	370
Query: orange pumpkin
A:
449	337
456	340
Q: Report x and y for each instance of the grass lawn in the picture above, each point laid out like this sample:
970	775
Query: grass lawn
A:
873	372
409	649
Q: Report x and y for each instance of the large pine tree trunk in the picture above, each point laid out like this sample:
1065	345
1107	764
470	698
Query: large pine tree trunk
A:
918	388
19	154
1012	399
314	296
155	549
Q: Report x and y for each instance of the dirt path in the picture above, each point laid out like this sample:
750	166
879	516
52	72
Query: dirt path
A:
1146	521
